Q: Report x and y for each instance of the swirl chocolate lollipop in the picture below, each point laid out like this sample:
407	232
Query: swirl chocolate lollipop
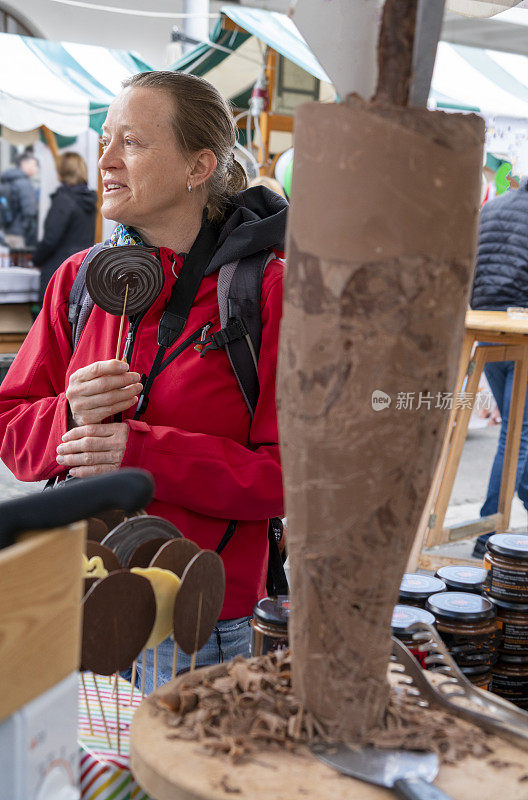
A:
124	280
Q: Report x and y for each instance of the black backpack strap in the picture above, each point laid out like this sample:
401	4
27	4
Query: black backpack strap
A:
228	535
276	581
186	287
80	303
239	292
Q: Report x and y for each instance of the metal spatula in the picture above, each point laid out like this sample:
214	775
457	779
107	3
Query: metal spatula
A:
408	773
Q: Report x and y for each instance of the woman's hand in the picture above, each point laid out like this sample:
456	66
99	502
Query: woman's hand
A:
100	390
93	449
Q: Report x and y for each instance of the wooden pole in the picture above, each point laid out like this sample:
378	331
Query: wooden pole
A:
265	117
51	142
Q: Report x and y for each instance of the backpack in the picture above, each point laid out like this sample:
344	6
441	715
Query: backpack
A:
239	293
8	204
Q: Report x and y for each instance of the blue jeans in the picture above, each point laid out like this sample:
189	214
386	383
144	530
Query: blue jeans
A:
500	378
230	638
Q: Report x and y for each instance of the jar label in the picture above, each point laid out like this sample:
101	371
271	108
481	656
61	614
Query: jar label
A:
510	685
515	637
508	583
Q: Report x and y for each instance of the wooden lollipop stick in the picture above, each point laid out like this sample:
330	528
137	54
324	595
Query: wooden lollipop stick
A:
102	710
143	673
117	715
133	683
198	620
87	703
156	667
174	659
118	348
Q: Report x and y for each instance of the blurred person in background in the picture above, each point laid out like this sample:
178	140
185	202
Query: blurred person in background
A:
269	183
70	222
501	280
20	192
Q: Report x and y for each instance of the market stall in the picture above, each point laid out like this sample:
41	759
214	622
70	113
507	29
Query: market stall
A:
375	297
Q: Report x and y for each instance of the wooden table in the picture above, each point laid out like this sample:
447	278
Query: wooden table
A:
509	342
174	769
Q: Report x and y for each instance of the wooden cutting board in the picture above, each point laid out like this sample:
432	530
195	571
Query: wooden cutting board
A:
172	769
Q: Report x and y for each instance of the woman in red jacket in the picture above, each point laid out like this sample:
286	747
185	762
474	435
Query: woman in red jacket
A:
167	165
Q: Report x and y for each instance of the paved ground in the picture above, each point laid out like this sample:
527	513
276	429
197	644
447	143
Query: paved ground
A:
10	487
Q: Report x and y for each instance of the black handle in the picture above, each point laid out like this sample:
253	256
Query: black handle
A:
129	489
418	789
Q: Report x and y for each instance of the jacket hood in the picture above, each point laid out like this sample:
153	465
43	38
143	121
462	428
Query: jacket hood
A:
255	220
84	197
13	174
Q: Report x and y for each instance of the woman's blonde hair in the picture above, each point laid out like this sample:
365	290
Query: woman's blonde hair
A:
202	119
72	169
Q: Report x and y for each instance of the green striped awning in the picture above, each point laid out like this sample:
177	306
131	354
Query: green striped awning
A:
62	85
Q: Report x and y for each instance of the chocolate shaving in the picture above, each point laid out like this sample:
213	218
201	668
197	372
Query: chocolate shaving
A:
246	704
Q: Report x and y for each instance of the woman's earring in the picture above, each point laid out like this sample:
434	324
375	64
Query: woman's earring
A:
189	187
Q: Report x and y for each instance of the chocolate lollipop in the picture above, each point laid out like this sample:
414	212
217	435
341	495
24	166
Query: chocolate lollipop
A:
109	558
124	280
113	268
146	551
199	601
119	612
96	529
127	536
175	555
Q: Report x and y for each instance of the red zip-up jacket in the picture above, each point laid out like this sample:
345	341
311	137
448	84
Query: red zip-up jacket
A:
210	463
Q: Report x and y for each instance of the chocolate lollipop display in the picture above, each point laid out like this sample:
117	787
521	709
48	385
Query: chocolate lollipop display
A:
127	536
124	280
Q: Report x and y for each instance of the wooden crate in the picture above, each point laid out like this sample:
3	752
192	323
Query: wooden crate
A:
40	613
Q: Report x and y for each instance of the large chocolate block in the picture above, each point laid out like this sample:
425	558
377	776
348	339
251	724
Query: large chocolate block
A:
380	262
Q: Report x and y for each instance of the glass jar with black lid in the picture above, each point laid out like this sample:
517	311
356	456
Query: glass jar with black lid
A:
512	619
468	626
415	588
269	626
510	680
402	618
462	578
507	563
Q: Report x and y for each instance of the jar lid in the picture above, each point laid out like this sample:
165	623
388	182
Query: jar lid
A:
404	616
506	658
415	586
461	606
475	670
460	576
522	608
274	610
514	545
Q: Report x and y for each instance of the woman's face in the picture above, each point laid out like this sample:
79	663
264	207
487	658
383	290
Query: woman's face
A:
144	172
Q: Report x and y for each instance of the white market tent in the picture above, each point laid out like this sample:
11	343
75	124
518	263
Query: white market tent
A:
63	86
488	81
